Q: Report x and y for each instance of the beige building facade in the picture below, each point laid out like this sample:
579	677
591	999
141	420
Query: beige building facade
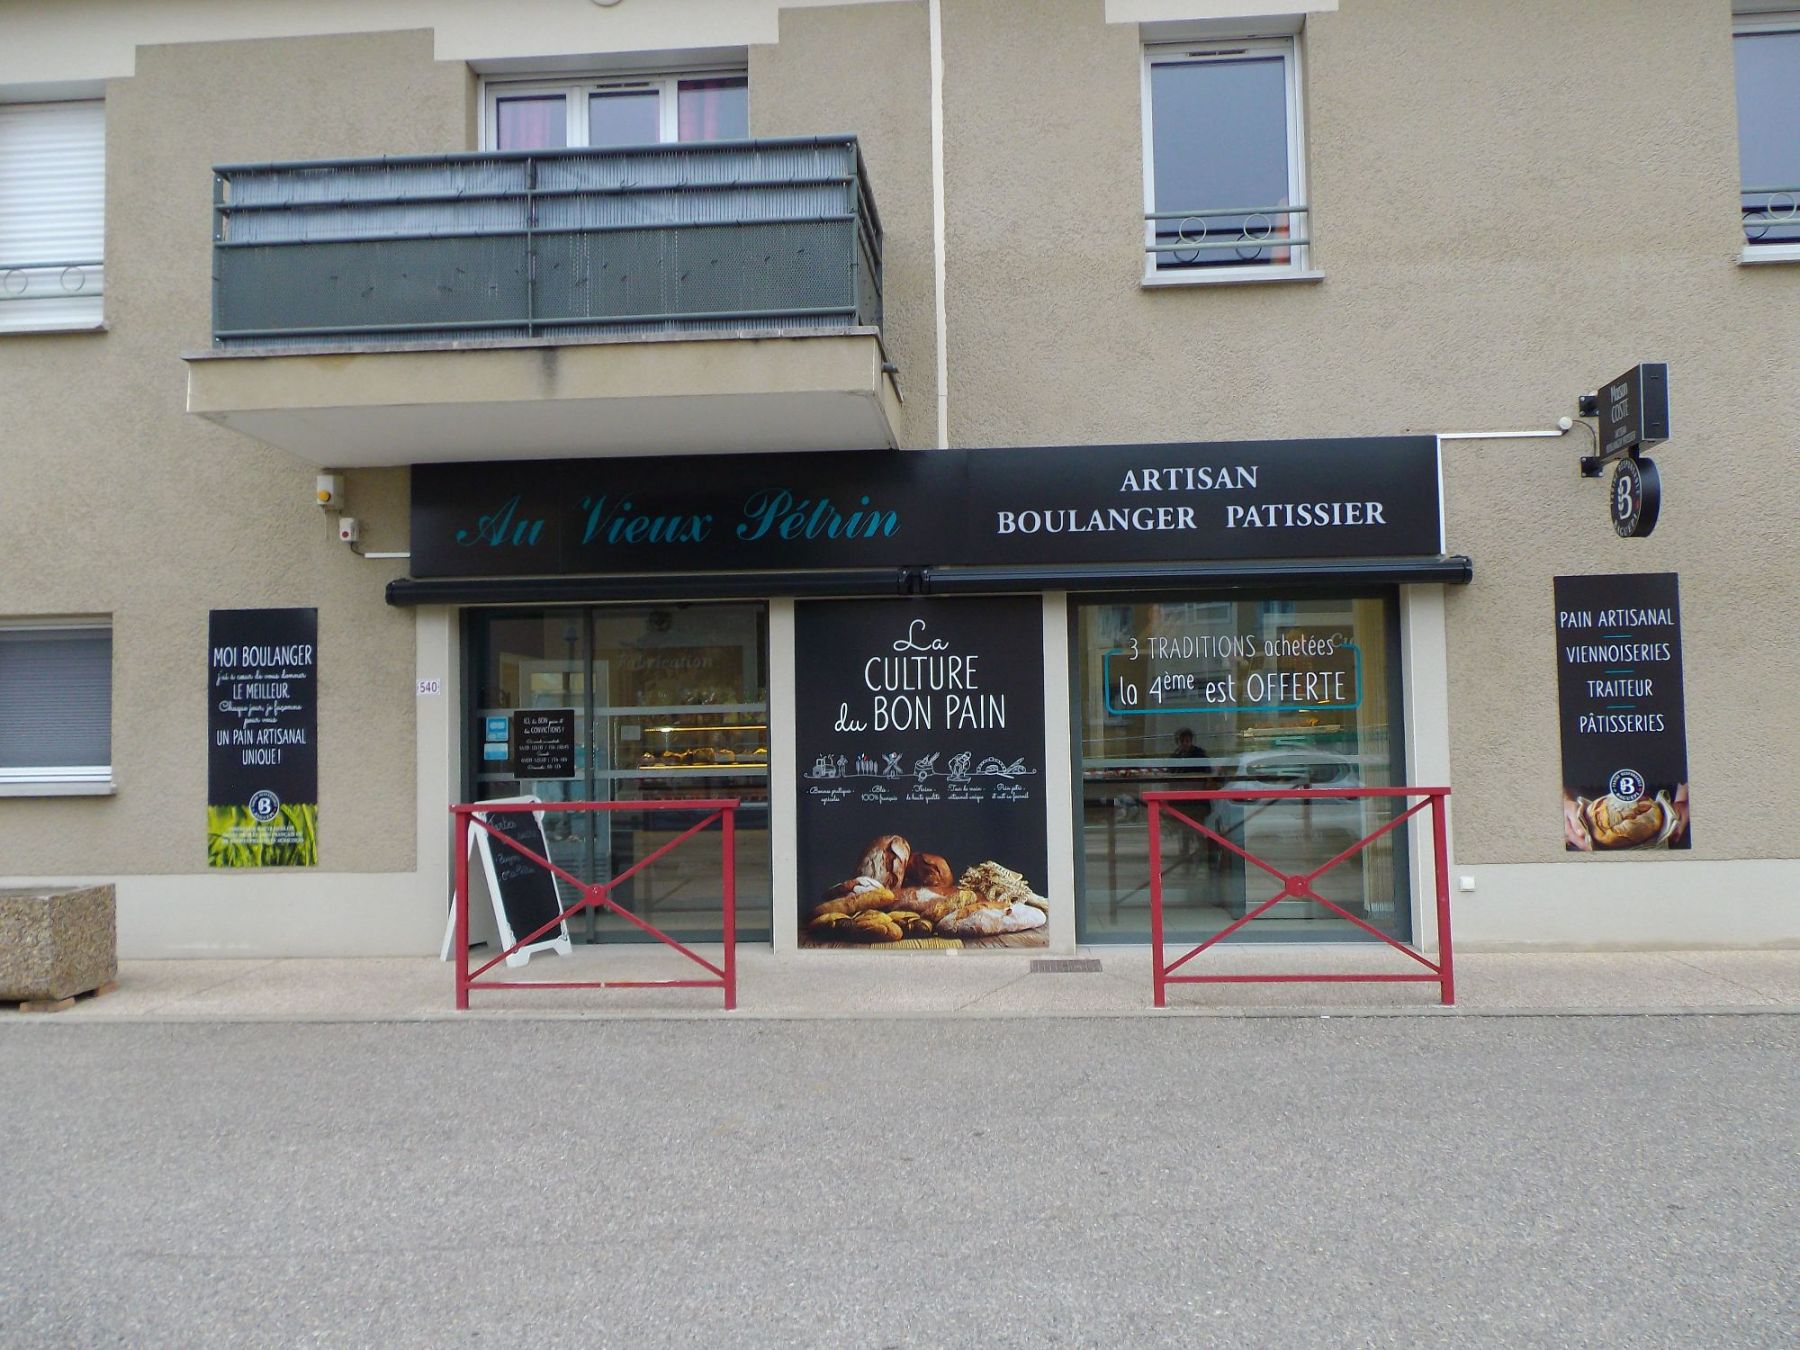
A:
1482	219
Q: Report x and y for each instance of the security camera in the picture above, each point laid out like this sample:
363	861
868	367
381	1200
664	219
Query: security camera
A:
348	529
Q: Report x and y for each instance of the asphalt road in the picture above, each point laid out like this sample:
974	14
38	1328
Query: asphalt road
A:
1291	1182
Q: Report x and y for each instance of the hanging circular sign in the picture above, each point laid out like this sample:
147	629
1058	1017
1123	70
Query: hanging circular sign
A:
1636	497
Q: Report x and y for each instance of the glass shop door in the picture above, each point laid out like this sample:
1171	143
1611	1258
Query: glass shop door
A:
667	702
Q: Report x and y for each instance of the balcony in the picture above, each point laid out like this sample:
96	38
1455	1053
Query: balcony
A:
653	300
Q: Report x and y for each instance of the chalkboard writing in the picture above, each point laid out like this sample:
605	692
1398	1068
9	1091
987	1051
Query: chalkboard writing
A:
524	893
543	743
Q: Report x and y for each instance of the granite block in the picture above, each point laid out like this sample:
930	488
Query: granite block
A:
57	943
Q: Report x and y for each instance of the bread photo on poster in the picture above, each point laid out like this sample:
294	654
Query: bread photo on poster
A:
900	895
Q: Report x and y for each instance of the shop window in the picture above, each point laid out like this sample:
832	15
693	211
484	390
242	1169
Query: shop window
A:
644	110
1254	695
55	707
52	215
1224	168
1767	50
666	702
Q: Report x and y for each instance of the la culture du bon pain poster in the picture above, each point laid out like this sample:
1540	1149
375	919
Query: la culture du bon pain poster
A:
1624	724
921	769
262	770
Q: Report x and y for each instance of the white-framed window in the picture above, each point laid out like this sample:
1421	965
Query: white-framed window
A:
55	706
698	105
1224	161
1766	47
52	215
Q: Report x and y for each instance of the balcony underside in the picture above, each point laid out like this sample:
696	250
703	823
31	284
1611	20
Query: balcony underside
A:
381	404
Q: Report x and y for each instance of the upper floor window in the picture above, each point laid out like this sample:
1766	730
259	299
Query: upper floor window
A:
709	106
1224	167
1768	100
52	215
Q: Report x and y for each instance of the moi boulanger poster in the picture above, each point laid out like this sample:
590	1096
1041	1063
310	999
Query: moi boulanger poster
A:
921	746
262	767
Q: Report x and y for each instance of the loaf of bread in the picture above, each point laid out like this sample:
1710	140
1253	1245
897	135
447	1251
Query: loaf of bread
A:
872	925
918	899
885	859
854	896
1620	824
929	869
985	918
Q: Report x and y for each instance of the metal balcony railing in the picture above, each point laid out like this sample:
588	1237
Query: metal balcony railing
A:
1230	236
1771	216
714	236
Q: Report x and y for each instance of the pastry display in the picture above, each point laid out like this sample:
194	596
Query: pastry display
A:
1621	824
900	893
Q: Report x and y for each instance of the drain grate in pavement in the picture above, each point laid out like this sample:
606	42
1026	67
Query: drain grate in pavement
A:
1066	965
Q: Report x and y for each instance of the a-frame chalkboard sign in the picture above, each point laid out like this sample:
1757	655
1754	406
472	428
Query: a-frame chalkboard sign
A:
524	895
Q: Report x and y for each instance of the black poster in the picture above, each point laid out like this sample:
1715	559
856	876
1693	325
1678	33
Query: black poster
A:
1026	506
1624	725
921	765
262	738
543	743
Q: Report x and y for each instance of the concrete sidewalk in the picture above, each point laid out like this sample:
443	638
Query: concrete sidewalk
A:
841	984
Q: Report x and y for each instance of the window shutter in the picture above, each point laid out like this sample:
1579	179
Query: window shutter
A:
52	214
55	698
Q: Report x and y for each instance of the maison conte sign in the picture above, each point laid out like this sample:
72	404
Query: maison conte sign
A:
1369	497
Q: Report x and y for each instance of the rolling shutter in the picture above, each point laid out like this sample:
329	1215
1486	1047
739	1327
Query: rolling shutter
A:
55	699
52	214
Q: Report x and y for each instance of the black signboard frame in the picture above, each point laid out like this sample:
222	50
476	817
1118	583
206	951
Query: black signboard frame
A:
921	719
1022	506
262	765
525	896
1622	711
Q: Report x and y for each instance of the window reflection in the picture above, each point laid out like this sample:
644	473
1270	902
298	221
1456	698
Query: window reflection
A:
1251	695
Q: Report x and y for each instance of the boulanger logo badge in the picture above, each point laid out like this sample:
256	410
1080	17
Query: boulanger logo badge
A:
1626	784
264	805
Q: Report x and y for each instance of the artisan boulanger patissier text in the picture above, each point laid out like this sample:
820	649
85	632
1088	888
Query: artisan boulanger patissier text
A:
1187	478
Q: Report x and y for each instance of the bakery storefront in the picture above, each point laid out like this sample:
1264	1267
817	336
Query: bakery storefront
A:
939	681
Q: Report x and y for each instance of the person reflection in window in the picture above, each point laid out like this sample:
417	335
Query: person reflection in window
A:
1192	844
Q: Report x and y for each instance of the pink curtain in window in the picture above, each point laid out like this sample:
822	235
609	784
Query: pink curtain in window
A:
532	124
711	110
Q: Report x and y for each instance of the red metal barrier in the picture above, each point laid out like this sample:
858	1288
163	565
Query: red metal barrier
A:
598	895
1299	885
